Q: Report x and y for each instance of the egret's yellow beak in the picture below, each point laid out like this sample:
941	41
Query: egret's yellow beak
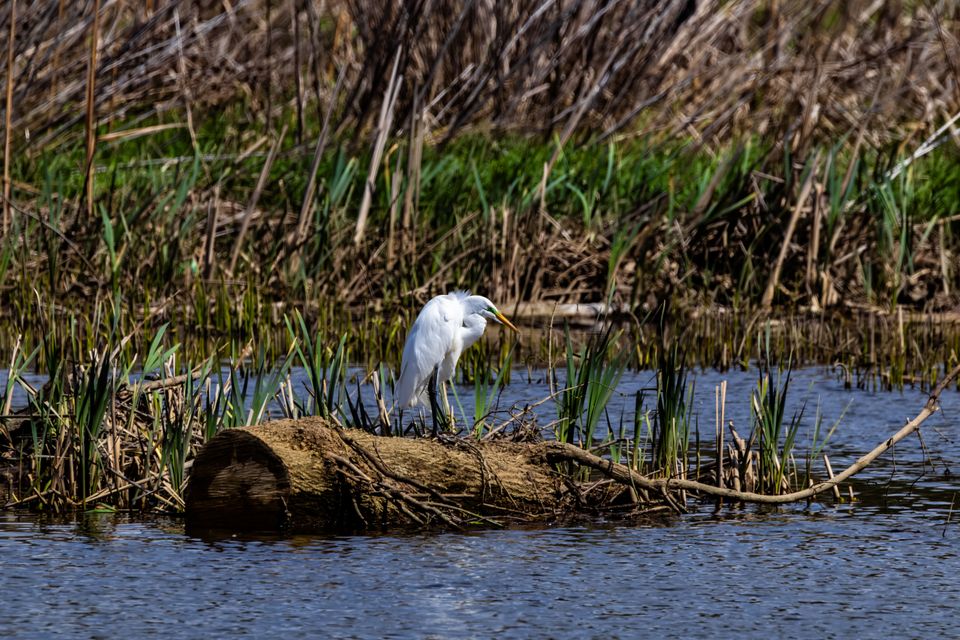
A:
503	320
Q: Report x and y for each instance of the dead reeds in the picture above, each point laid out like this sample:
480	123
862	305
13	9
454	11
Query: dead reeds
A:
713	157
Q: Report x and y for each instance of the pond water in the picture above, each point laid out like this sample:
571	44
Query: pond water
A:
884	566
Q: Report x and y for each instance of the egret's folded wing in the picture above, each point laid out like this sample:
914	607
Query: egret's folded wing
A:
428	341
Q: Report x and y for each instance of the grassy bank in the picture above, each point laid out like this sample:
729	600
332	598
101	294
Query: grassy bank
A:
778	155
632	223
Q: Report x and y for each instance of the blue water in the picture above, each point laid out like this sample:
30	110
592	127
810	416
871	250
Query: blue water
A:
828	572
884	566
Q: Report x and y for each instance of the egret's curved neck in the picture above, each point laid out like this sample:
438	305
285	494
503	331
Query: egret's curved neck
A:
473	326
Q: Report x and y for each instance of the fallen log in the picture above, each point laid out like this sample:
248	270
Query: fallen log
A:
308	475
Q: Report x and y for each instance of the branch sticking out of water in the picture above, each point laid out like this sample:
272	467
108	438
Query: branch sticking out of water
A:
559	451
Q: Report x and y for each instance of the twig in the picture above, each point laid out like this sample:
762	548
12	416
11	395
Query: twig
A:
395	494
526	410
382	468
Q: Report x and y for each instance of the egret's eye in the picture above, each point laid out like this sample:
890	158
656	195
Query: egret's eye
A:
491	310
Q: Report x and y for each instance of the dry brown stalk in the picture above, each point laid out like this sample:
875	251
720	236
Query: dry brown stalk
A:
594	67
254	198
7	133
829	467
384	126
306	207
91	106
774	280
213	215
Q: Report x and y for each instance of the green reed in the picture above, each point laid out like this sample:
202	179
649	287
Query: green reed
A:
774	433
486	394
670	435
592	375
325	370
119	424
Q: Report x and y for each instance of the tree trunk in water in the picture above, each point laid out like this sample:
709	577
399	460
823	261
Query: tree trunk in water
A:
306	475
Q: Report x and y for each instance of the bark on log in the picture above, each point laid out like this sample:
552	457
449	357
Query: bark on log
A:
305	475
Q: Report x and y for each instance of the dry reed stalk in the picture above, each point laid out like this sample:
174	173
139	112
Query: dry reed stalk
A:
720	410
209	253
813	252
306	206
55	79
383	413
90	123
774	280
8	400
836	488
395	182
182	80
254	198
297	75
7	133
411	196
383	132
900	331
944	260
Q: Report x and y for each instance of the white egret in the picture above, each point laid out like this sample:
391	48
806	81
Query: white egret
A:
446	326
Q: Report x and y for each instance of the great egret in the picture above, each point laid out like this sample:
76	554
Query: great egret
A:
446	326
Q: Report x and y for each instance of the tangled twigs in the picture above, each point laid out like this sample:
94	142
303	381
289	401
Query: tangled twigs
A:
403	500
563	452
377	463
438	506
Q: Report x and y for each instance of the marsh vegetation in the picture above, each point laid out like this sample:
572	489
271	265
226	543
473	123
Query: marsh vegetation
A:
200	198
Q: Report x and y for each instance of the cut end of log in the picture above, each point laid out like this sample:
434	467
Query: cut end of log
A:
238	482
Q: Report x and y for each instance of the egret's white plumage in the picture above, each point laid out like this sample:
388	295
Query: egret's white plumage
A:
446	326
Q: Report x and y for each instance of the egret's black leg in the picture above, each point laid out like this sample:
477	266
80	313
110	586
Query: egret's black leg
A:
435	411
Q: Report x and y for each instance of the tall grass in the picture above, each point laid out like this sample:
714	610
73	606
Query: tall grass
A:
592	375
486	394
117	428
775	434
326	371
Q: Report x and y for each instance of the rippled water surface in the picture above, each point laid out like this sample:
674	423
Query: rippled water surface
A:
826	572
885	566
